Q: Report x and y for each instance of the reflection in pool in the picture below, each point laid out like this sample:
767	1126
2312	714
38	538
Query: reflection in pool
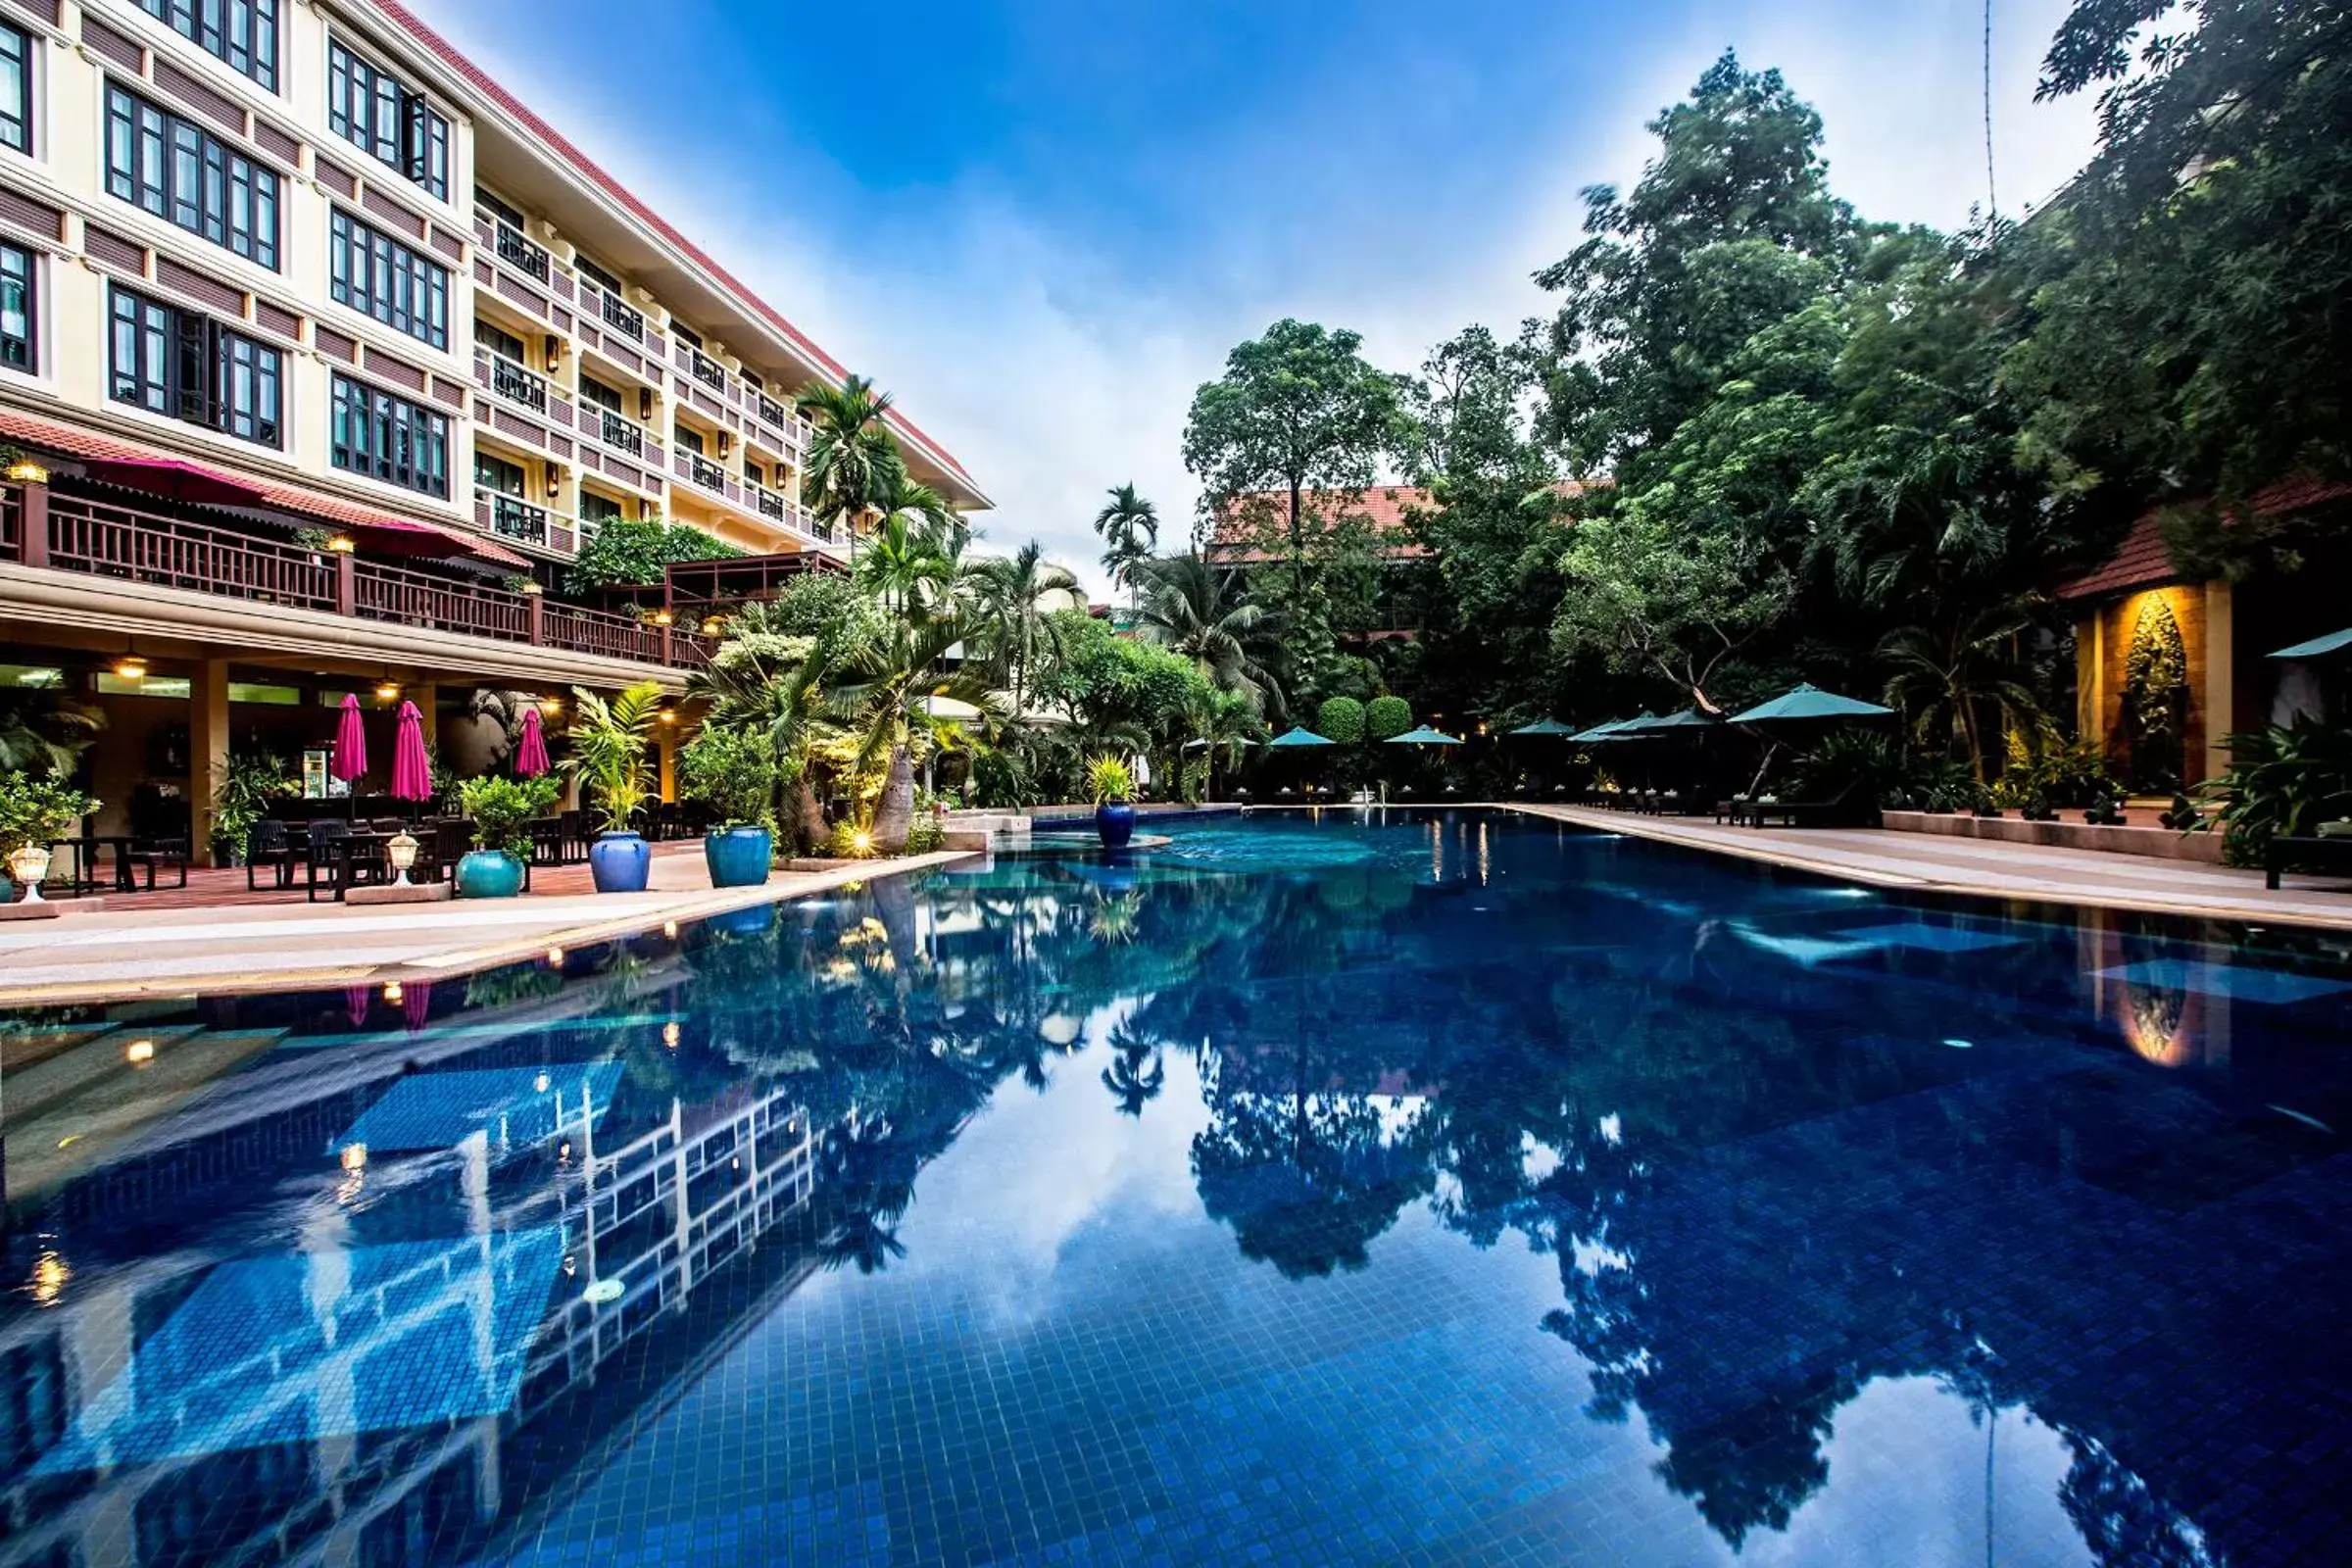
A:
1343	1190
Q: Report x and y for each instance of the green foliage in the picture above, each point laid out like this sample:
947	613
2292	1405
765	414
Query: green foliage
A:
607	749
1342	719
253	781
1108	780
631	554
502	809
1129	529
853	458
2282	780
1386	716
733	768
45	731
33	810
850	842
925	835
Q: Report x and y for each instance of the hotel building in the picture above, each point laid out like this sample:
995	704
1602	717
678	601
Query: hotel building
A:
321	355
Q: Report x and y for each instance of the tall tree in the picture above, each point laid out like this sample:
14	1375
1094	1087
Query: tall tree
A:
1731	228
2195	341
1194	607
1129	529
853	460
1011	597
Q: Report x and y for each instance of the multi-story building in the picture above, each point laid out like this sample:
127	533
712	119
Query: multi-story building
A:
320	354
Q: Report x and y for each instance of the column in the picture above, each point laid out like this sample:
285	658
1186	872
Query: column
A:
427	699
2089	714
667	740
208	751
2221	675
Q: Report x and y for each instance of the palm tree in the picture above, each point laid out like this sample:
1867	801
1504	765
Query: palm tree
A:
1009	594
762	678
883	694
43	732
1130	529
1134	1075
1186	608
915	561
853	460
1946	678
1222	722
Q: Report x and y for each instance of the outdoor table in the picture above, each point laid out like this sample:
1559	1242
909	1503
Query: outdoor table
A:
85	848
342	863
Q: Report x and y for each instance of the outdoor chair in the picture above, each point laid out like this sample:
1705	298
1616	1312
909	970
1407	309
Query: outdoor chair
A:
1849	807
2321	856
575	835
325	834
268	843
146	855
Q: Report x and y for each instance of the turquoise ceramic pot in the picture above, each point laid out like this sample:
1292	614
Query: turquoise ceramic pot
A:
619	862
738	856
488	874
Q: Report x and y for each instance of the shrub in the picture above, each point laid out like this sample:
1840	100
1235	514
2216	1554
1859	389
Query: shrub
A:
1342	719
1385	717
925	835
1109	780
631	554
2282	781
252	782
733	769
502	808
34	810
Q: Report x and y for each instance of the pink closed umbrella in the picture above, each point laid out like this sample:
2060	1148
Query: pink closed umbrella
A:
349	762
411	774
530	753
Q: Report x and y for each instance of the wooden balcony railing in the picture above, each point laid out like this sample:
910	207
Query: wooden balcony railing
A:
519	251
100	540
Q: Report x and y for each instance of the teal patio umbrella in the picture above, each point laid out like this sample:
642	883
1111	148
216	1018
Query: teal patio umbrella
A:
1619	729
1688	719
2336	642
1545	726
1424	736
1809	701
1300	736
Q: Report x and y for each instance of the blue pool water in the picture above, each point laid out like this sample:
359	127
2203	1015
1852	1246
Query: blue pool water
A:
1425	1189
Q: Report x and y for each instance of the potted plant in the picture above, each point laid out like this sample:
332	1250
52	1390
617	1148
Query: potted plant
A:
608	754
733	768
33	811
1113	787
500	809
246	790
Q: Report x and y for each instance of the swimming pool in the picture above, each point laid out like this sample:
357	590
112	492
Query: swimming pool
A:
1358	1189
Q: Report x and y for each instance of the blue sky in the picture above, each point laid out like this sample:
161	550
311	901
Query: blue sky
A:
1043	225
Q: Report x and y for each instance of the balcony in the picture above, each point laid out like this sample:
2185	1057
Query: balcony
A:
619	433
770	504
101	542
706	369
703	471
626	319
527	389
520	252
776	413
511	517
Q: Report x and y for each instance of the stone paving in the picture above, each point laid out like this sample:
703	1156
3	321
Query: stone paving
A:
1991	869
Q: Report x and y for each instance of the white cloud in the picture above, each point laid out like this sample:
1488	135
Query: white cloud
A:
1024	347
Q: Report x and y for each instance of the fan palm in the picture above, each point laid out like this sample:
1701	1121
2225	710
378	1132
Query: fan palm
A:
1945	679
45	733
762	678
854	461
608	749
1130	529
1222	722
1010	596
1186	606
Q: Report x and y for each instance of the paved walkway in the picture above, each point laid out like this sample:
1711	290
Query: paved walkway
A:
121	949
1996	870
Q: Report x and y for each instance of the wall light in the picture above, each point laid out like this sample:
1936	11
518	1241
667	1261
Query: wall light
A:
387	691
26	471
342	544
555	956
392	992
131	666
663	618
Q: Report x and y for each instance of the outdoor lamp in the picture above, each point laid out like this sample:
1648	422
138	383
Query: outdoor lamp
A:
663	618
533	588
131	666
670	716
402	853
342	544
28	864
26	471
387	691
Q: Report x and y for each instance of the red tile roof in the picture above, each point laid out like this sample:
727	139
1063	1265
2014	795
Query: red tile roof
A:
587	166
89	446
2141	561
1235	538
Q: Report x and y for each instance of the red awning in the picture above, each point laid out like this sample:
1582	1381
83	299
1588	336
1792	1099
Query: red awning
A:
112	462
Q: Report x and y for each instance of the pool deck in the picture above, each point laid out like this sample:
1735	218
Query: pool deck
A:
123	952
1988	869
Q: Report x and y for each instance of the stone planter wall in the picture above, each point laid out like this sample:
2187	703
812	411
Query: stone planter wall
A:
2158	843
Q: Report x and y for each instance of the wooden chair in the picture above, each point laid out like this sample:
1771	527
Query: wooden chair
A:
268	843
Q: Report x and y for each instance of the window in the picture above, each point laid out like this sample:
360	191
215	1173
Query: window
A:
497	473
377	275
188	366
595	511
386	119
498	340
596	274
16	309
686	334
185	174
389	438
16	89
242	32
689	439
498	207
603	396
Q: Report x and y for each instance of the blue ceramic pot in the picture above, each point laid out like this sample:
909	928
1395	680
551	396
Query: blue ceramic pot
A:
8	889
619	862
488	874
738	856
1114	821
